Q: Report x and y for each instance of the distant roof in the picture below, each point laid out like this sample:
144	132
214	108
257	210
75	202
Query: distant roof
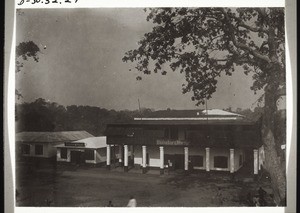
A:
190	117
92	142
50	137
219	112
211	114
183	122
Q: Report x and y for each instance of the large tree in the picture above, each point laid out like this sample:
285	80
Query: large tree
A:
204	43
24	51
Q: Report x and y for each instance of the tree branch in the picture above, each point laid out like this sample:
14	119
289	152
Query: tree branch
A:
241	45
253	29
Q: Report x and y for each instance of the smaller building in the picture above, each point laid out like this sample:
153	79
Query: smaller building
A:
42	144
90	150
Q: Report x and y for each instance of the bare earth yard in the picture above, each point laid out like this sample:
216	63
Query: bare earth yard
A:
72	186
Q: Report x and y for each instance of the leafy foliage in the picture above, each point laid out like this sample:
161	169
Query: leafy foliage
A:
204	43
24	51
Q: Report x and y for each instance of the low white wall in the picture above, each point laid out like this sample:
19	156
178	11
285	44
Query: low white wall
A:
95	157
138	155
152	151
100	155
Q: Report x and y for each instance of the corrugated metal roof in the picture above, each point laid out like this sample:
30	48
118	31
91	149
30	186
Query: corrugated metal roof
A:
187	122
191	113
51	137
219	112
92	142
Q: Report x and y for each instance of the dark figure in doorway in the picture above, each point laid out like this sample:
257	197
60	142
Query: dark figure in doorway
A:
261	196
110	204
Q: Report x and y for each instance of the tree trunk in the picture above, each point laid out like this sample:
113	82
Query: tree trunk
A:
272	161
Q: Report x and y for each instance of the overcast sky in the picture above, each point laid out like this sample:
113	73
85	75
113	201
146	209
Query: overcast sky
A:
82	63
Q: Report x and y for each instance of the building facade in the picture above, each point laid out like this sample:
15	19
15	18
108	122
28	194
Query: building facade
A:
188	140
42	144
89	150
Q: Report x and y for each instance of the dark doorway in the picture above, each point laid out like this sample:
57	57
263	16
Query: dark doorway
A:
249	157
179	161
175	161
77	157
169	160
147	159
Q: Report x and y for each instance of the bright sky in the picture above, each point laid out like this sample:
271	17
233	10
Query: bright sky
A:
82	63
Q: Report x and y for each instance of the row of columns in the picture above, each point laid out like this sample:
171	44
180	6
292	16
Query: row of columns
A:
186	158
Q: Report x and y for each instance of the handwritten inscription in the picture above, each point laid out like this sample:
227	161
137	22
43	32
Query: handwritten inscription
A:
47	2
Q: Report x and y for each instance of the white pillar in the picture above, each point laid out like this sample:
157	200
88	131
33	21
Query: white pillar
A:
95	156
125	155
186	158
231	160
255	161
144	156
120	154
161	155
58	154
68	155
108	155
207	159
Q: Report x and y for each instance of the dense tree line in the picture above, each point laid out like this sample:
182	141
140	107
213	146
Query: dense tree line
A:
42	115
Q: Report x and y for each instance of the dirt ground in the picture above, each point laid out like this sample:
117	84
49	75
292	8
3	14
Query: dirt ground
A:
73	186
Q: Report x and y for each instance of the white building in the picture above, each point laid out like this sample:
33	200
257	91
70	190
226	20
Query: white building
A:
88	150
42	144
189	139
